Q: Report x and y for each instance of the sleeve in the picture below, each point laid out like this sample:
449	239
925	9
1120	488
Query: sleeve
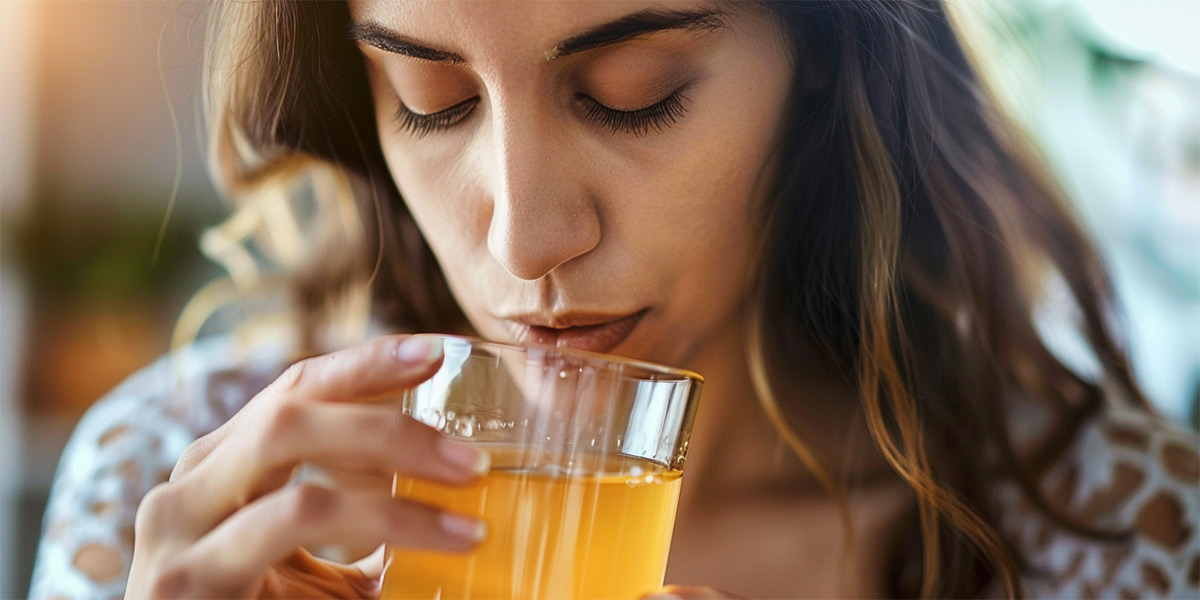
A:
1132	473
1165	515
125	444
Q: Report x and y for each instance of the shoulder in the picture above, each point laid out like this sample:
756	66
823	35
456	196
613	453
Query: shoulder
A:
1129	472
178	398
127	443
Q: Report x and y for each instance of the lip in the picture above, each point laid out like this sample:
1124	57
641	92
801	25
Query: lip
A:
593	332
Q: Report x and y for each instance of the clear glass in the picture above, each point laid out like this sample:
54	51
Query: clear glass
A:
587	455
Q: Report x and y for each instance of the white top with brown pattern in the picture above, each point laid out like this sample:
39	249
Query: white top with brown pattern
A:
1127	470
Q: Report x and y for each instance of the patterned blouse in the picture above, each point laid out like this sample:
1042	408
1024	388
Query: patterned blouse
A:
1127	469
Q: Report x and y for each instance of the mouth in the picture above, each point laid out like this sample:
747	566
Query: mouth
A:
592	332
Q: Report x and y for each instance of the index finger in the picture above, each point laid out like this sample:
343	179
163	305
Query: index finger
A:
366	372
383	365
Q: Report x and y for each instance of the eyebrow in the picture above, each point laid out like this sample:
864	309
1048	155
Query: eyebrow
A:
638	24
623	29
389	41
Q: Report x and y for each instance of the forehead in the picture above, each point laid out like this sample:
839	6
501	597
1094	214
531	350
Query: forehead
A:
500	30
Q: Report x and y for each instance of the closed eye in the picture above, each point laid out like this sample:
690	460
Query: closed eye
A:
422	124
639	122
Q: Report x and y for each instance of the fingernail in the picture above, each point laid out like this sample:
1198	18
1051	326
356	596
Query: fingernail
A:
419	349
465	456
463	527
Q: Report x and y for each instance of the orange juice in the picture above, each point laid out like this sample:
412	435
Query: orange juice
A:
598	529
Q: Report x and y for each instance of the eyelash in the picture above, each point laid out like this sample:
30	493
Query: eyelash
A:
421	125
660	115
657	116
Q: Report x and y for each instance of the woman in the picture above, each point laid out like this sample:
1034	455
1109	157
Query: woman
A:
816	205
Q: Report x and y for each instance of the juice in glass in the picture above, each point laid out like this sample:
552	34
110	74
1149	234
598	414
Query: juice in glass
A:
600	528
587	452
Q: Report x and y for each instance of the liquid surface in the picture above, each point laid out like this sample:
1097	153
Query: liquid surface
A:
598	529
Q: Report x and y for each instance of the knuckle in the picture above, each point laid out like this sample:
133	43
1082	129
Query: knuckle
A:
297	376
395	517
173	582
158	496
409	438
154	508
309	502
398	427
386	439
384	348
377	432
408	517
359	360
408	430
369	351
285	420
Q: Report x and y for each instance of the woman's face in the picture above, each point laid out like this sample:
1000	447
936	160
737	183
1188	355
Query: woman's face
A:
588	174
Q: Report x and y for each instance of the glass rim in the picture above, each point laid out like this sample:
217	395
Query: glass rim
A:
606	360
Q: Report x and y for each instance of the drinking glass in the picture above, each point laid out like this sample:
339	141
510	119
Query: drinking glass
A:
587	453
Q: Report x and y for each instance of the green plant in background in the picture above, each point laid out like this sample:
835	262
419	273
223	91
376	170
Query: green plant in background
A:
106	258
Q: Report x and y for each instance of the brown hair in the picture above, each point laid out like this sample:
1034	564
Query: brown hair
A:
910	228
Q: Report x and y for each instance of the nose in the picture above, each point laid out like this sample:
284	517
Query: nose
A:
542	214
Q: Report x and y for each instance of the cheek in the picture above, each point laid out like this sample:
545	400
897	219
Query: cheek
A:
710	194
434	198
421	186
454	228
425	171
451	214
435	190
709	230
702	230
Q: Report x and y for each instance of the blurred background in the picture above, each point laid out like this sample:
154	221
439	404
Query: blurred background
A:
99	109
100	132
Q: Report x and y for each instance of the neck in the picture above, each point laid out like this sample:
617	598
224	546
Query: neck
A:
733	440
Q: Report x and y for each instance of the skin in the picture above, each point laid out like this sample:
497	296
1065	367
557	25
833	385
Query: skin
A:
533	208
227	525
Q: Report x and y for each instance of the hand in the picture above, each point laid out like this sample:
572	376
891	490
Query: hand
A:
677	592
228	524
